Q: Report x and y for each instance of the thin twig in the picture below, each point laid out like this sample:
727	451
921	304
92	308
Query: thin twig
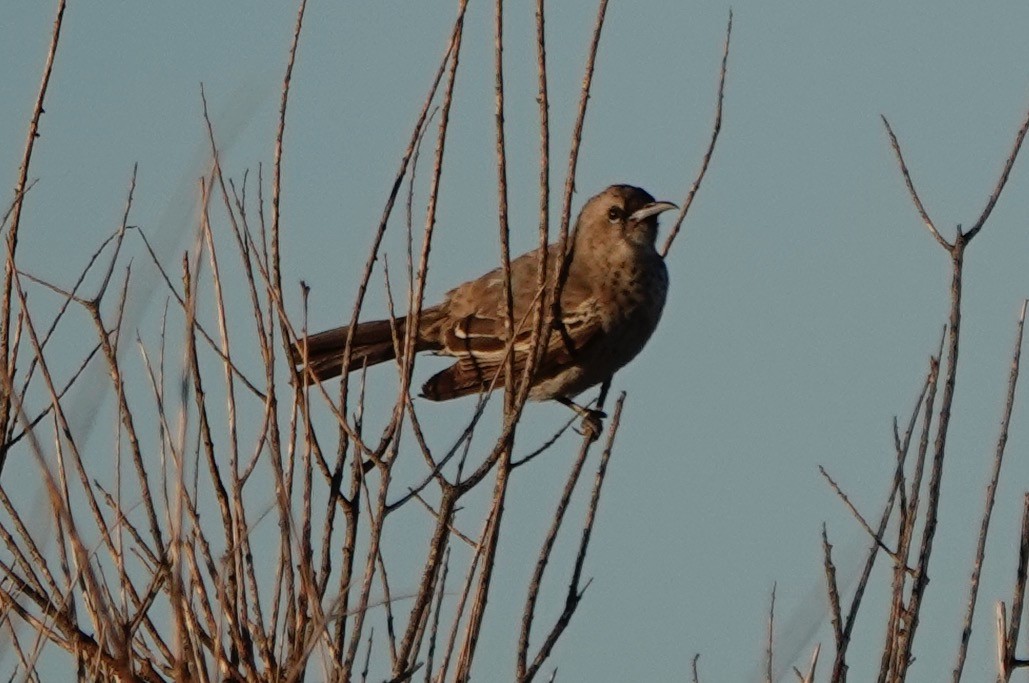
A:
575	588
876	536
536	583
833	589
911	188
771	635
1001	181
715	130
1021	574
991	494
12	233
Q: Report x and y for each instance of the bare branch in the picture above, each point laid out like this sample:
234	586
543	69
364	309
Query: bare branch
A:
876	536
1001	181
771	634
911	188
715	130
20	189
991	494
575	592
833	590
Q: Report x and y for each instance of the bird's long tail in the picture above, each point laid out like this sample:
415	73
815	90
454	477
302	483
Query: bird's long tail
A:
320	356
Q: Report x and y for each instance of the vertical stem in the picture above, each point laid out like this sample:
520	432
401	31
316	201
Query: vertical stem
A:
12	234
921	580
492	535
991	495
505	246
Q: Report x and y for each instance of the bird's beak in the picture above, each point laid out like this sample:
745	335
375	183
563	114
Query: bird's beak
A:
652	209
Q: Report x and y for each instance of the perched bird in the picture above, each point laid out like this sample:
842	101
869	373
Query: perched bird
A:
611	300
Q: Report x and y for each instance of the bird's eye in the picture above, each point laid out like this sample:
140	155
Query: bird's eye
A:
614	214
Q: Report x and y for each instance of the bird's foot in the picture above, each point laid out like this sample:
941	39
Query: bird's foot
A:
592	420
592	423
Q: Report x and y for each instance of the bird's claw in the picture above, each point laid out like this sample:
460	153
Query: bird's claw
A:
592	423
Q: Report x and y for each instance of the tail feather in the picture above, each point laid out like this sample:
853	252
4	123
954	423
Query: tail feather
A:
323	352
320	356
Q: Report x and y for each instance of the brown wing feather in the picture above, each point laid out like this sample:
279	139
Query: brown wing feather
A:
475	321
483	298
476	373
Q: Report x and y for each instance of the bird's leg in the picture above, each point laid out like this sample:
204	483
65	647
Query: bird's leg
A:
605	386
592	420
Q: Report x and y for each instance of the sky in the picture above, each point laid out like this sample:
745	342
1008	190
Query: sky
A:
806	295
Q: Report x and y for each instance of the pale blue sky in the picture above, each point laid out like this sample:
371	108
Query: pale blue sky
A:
806	295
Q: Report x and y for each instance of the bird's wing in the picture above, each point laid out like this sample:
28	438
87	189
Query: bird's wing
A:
481	355
476	310
475	332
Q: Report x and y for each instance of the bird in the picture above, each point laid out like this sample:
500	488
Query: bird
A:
613	292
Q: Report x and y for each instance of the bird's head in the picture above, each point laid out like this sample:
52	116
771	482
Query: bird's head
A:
623	210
